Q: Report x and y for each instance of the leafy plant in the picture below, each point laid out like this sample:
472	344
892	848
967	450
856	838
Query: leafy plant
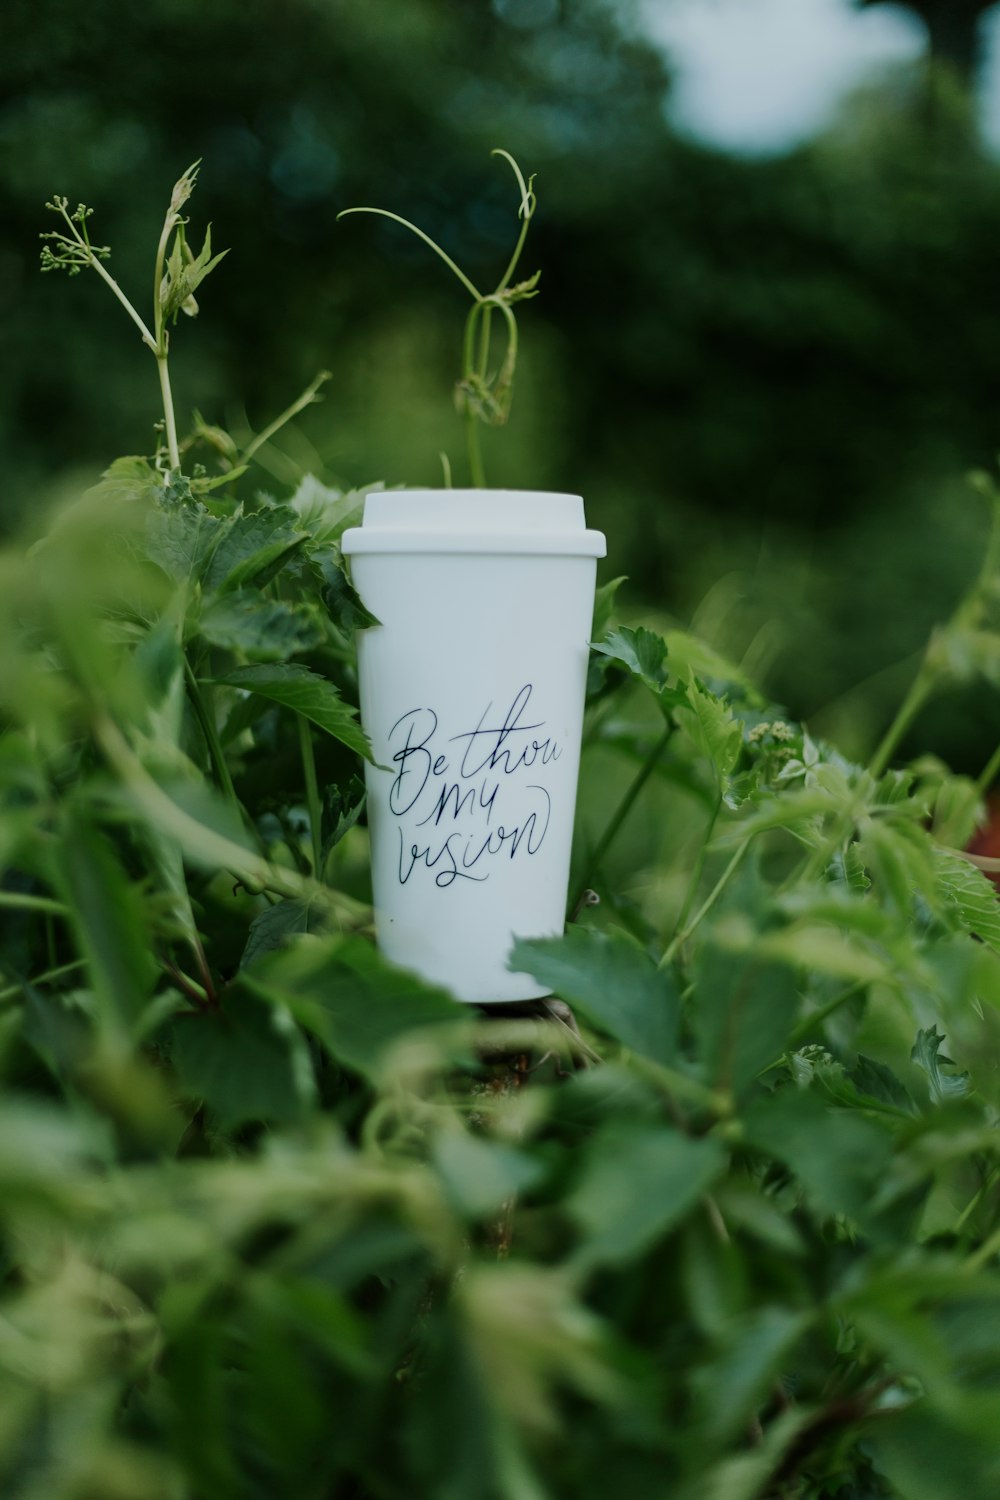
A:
276	1218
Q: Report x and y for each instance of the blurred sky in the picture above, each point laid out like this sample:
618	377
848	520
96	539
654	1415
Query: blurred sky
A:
760	76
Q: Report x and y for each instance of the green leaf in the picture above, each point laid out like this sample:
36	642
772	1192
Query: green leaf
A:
267	629
480	1176
731	1386
180	537
184	273
969	896
742	1011
128	479
927	1454
604	607
276	925
839	1158
110	919
690	655
636	1185
342	599
358	1005
326	513
639	651
612	982
295	686
713	730
927	1055
342	809
252	549
900	859
247	1060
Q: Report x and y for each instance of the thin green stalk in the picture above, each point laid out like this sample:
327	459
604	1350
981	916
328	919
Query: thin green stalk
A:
312	794
484	339
817	1017
526	211
620	813
985	1253
920	690
989	773
976	1199
309	395
680	938
699	867
477	472
216	753
397	218
93	260
162	345
13	990
20	901
170	421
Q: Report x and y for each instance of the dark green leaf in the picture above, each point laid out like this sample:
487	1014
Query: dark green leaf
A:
612	982
732	1385
342	600
636	1185
294	686
275	925
742	1012
266	629
343	807
639	651
358	1005
247	1060
839	1158
252	549
110	920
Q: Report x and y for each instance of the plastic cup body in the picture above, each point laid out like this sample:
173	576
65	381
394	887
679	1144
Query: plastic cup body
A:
472	692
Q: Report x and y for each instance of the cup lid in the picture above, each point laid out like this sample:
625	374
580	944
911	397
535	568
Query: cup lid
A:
483	521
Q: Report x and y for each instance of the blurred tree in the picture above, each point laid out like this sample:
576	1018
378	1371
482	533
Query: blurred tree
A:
953	27
772	370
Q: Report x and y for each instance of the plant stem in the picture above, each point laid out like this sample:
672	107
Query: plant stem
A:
975	1200
817	1017
680	938
309	395
620	813
988	774
312	794
17	901
397	219
699	867
13	990
986	1252
208	728
476	471
920	691
162	345
170	428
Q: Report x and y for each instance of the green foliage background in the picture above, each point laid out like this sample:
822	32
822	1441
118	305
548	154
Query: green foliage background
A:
769	373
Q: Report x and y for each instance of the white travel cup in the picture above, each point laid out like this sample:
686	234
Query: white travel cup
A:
472	693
